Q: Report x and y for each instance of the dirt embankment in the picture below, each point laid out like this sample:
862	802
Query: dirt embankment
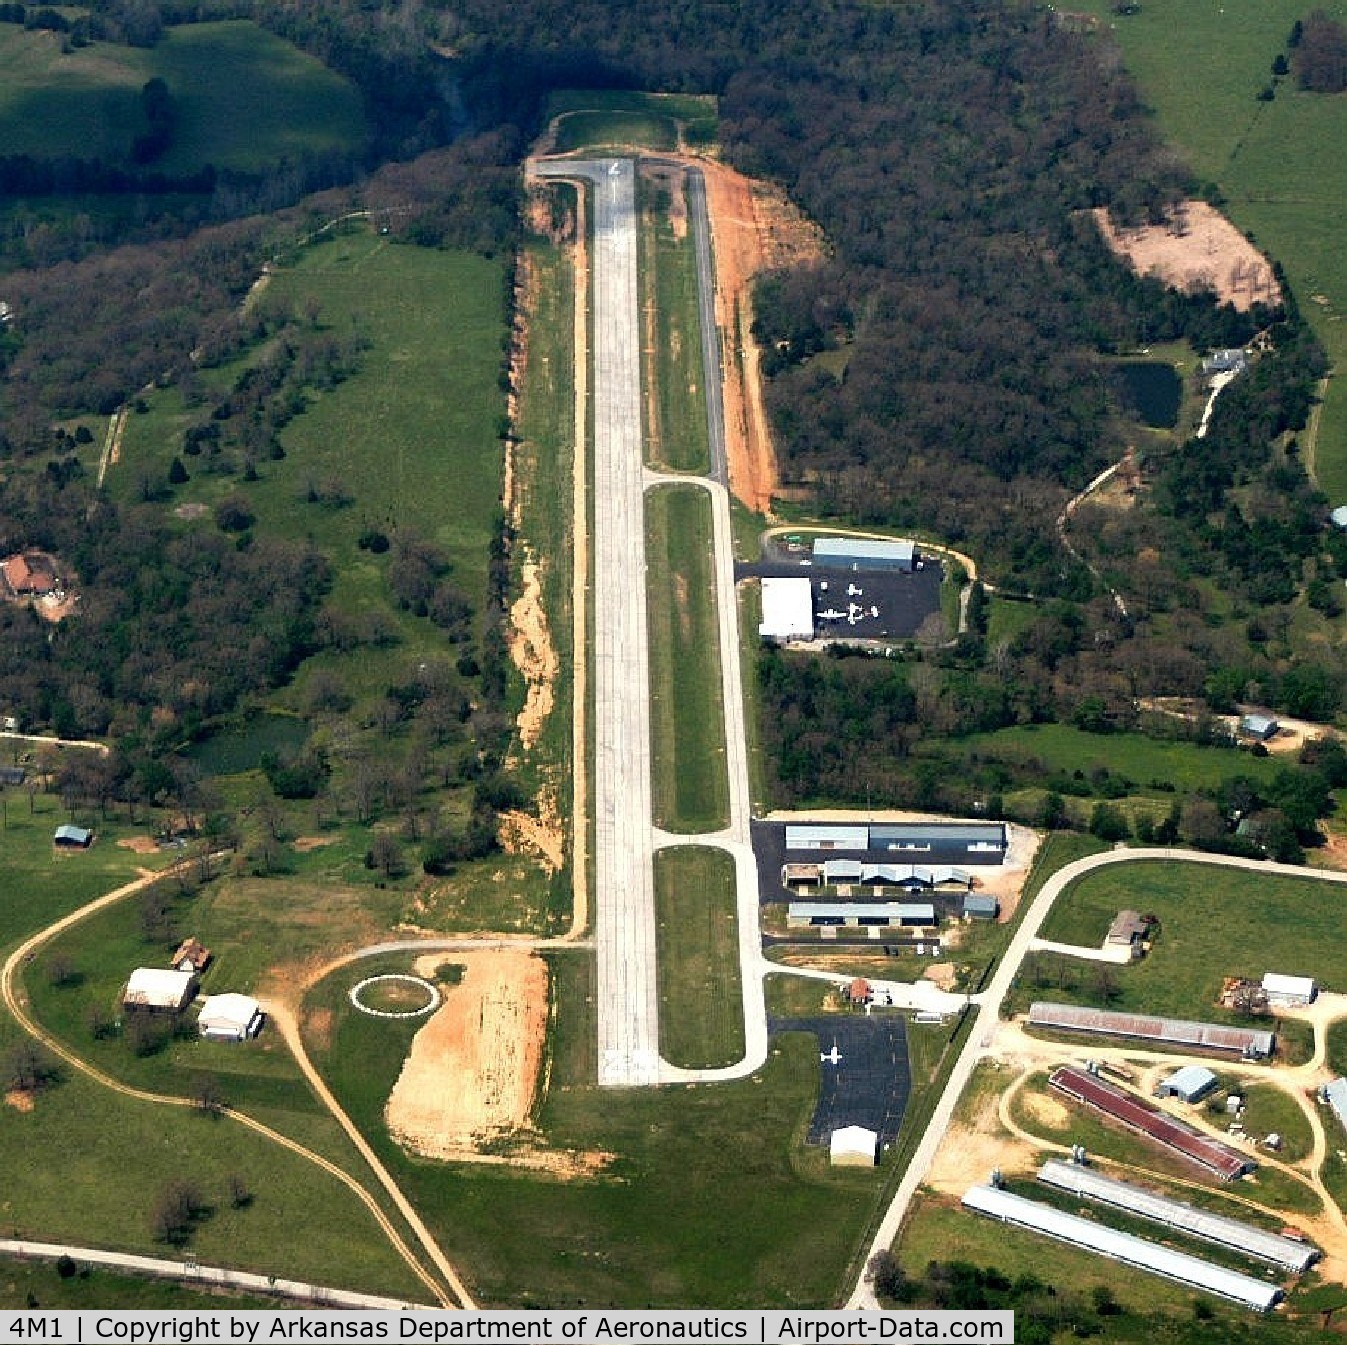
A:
754	228
1196	248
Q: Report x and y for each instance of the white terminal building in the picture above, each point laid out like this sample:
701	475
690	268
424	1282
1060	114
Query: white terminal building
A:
787	610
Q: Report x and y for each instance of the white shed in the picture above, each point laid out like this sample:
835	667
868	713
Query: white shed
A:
1289	990
229	1017
854	1147
155	988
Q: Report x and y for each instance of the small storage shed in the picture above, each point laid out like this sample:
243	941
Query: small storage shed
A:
978	906
70	837
1190	1084
229	1017
854	1147
192	955
159	991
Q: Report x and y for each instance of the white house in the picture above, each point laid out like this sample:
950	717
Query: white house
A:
157	989
853	1147
229	1017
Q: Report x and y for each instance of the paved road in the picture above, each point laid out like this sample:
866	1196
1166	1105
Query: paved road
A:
624	909
989	1002
211	1276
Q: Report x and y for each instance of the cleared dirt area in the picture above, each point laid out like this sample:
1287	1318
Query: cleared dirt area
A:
139	845
972	1151
1198	247
472	1072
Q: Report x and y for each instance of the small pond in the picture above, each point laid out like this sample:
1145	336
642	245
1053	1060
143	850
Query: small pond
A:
1151	391
242	745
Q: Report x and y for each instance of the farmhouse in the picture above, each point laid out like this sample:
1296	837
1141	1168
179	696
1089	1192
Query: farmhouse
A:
229	1017
1128	930
159	991
853	1147
787	610
70	837
1218	1159
1261	728
1249	1043
1190	1084
865	553
29	574
1289	991
1126	1248
1225	362
192	955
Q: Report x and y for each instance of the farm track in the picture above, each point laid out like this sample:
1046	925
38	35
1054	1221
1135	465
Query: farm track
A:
16	1003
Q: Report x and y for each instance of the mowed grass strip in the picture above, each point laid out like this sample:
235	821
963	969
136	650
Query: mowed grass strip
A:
701	1021
691	787
244	98
594	129
677	413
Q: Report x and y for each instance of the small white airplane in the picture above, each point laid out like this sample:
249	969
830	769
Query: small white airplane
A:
833	1057
853	591
832	614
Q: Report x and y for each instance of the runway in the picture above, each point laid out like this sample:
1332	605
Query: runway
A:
624	906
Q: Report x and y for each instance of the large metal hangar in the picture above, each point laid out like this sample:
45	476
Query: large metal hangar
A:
787	610
1126	1248
1286	1253
948	842
865	553
1250	1043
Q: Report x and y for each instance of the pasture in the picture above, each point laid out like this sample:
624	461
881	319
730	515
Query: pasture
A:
701	1018
1213	923
691	787
1277	163
244	98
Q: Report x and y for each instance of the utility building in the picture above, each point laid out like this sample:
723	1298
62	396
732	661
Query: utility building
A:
1190	1084
157	990
1289	991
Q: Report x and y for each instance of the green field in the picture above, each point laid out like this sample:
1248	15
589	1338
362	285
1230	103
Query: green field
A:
691	786
1148	765
708	1196
1201	66
676	431
1214	923
701	1022
38	1284
244	98
593	130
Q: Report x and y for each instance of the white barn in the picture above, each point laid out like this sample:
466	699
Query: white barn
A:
155	988
787	610
229	1017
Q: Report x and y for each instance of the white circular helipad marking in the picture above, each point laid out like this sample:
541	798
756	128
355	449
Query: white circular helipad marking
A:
432	996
